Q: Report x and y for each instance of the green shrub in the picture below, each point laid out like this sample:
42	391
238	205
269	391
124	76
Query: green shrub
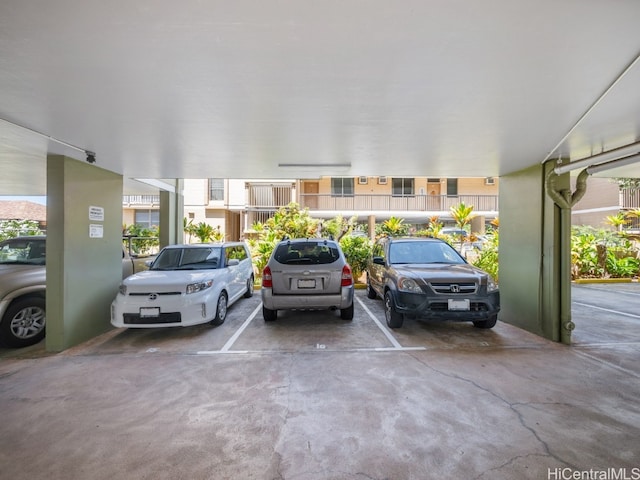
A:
357	250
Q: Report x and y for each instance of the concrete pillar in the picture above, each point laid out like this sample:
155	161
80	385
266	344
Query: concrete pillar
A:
530	253
372	227
477	225
172	215
84	250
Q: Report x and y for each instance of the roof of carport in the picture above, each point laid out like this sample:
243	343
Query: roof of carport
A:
164	89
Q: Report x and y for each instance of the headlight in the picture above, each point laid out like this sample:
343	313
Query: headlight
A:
492	286
408	285
198	287
122	289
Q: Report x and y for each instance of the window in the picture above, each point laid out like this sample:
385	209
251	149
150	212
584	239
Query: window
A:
489	181
362	180
402	187
216	189
147	218
342	187
452	187
382	180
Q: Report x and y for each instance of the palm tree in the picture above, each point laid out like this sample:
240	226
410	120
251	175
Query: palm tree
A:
617	221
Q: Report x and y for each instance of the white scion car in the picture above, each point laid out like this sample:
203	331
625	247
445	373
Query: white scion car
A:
185	285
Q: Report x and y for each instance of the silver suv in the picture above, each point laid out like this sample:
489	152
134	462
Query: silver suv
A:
305	274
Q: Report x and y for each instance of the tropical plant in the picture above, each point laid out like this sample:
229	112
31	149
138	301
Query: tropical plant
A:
207	233
293	222
141	240
16	228
338	227
357	250
393	227
602	253
462	214
617	221
487	258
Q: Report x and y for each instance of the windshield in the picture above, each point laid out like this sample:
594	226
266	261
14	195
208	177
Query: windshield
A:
23	251
423	252
187	259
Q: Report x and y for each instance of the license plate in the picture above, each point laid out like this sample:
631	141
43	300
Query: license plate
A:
307	283
458	304
150	311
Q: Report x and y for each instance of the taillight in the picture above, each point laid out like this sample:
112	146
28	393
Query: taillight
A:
347	278
266	278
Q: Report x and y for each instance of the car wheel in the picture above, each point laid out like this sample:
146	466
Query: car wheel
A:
486	323
24	323
249	292
221	310
394	319
268	314
347	313
371	293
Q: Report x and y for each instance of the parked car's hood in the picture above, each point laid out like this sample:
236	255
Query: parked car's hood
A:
164	280
441	271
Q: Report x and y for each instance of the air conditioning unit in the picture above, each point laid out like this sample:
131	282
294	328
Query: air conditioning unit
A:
362	180
382	180
489	181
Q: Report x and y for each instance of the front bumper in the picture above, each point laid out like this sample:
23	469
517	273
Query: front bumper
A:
481	307
307	302
174	311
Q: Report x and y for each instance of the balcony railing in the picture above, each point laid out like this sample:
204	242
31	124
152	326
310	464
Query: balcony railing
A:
140	200
426	203
630	199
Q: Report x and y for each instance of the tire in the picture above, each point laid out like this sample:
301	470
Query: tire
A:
490	323
221	310
268	314
371	293
24	323
394	319
249	292
347	313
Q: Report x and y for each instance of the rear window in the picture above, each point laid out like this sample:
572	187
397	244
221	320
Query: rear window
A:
306	253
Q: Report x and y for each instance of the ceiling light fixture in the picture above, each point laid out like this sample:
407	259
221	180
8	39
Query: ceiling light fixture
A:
314	165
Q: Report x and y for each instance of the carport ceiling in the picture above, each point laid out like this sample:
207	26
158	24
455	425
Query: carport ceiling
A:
301	88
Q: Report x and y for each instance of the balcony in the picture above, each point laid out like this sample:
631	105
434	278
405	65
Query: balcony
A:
140	200
429	204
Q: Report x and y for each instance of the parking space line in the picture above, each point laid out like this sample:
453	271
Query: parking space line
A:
617	312
234	337
387	333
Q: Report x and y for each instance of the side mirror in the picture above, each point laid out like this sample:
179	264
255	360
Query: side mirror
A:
378	260
232	262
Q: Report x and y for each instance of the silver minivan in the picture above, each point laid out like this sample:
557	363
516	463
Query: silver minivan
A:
307	274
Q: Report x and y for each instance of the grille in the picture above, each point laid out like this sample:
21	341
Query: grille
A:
454	288
135	319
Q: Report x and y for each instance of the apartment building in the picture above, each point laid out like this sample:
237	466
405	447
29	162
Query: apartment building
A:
234	205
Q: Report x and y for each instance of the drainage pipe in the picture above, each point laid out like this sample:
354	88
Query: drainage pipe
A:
564	199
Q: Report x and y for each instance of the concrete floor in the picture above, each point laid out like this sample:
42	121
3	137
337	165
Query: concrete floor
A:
313	397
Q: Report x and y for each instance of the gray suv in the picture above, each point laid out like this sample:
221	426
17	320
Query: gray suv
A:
426	277
305	274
